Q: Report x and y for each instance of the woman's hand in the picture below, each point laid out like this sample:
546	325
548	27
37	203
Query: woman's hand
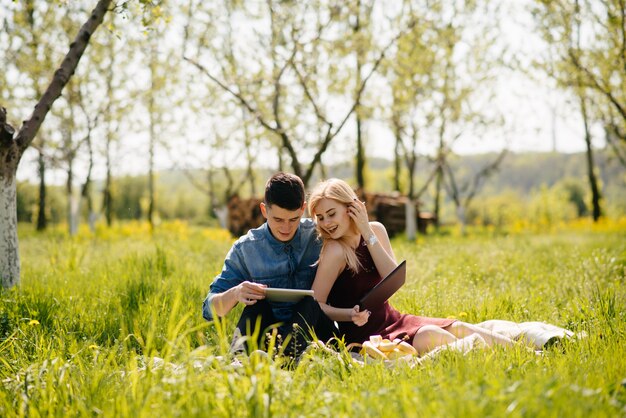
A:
358	212
359	318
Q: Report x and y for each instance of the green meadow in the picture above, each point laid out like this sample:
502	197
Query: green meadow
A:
109	324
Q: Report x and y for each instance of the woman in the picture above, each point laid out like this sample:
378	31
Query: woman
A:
355	255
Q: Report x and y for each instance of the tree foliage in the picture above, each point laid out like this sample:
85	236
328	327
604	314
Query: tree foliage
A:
587	52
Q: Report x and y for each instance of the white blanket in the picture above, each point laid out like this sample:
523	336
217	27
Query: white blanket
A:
536	334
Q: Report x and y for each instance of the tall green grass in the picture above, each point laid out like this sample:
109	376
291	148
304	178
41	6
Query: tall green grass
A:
110	324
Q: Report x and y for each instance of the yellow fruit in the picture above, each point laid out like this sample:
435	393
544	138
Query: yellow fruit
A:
386	346
373	352
396	354
406	348
376	339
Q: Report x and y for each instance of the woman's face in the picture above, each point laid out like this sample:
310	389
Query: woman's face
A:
332	217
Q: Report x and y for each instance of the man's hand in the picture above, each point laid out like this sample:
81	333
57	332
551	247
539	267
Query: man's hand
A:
248	292
359	318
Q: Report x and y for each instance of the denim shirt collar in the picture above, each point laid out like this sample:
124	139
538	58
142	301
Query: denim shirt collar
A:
279	247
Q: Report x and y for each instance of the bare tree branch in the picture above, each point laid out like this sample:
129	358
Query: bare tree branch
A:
318	113
236	95
62	76
429	180
484	174
295	162
596	84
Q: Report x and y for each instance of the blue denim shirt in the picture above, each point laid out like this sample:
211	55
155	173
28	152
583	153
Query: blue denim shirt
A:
261	258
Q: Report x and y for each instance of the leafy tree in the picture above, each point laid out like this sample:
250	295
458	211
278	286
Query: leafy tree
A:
281	70
410	71
360	31
35	32
438	73
586	55
109	60
13	144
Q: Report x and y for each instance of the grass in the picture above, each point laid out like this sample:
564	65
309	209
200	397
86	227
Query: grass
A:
110	324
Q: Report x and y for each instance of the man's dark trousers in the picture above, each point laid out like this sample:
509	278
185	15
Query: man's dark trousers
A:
307	316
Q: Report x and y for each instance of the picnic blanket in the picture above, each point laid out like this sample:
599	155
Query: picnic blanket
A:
536	335
539	335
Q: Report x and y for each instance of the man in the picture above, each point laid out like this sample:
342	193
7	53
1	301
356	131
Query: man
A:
281	253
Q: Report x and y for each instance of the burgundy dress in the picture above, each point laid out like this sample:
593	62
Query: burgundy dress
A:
385	320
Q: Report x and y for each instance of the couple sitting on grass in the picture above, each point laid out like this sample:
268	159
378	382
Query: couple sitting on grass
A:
352	256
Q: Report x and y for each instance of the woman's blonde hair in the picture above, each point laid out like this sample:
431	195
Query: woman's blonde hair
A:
339	191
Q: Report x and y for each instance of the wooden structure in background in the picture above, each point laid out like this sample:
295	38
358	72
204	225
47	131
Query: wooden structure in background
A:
388	209
243	215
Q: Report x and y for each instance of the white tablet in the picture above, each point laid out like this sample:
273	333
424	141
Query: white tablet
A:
275	294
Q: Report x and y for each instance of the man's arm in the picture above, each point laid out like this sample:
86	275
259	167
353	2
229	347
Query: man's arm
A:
230	287
247	293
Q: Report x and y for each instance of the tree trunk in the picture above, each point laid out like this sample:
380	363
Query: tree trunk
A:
33	45
411	220
12	146
211	194
411	215
460	214
360	155
440	166
281	164
397	164
72	223
85	192
107	196
41	215
250	171
593	181
360	152
152	129
438	184
9	158
74	204
151	182
323	171
9	251
411	167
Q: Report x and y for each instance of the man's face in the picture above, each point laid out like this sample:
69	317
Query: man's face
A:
283	223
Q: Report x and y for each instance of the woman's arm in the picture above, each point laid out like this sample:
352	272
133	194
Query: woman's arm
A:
379	246
332	263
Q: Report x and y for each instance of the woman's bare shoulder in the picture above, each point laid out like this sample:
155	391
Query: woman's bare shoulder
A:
333	249
333	255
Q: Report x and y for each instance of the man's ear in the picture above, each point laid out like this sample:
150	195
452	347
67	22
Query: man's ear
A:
263	209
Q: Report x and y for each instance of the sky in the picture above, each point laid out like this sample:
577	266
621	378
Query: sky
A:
537	118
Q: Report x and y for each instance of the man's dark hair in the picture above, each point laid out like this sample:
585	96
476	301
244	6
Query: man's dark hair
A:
284	190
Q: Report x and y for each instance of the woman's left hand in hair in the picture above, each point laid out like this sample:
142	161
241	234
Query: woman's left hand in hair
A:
358	213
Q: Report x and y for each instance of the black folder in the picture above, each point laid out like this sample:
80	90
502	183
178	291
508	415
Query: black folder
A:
385	288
